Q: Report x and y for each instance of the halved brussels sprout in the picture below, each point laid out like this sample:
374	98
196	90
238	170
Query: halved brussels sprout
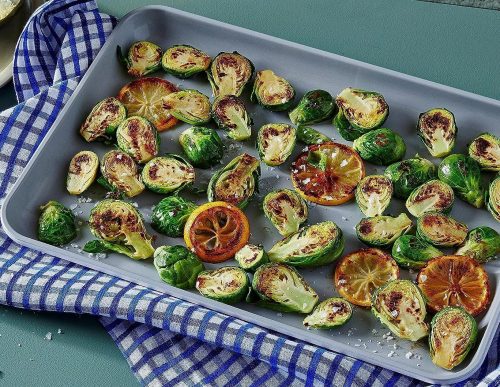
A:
382	230
485	149
315	106
167	174
311	246
236	182
250	257
56	224
184	61
359	112
373	194
453	335
272	91
229	284
286	210
230	114
102	121
482	244
120	172
400	306
177	266
139	138
408	174
170	215
441	230
202	146
189	106
82	172
143	58
432	196
275	143
311	136
413	253
120	226
438	131
380	146
282	288
229	73
330	313
463	174
493	198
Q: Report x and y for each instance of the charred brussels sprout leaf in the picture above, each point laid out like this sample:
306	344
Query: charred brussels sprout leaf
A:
432	196
120	172
453	335
330	313
250	257
183	61
143	58
380	146
177	266
315	106
400	306
102	121
493	199
441	230
408	174
229	73
230	114
275	143
286	210
315	245
482	244
167	174
137	137
272	91
227	284
170	215
189	106
413	253
485	149
373	194
282	288
56	224
463	174
202	146
82	172
438	131
383	230
236	182
311	136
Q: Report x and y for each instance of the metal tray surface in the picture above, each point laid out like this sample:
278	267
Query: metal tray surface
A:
44	177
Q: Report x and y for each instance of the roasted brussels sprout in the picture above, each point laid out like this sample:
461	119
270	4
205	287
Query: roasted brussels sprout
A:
373	194
400	306
359	112
314	245
121	228
56	224
275	143
229	284
230	114
438	131
408	174
463	174
250	257
167	174
413	253
286	210
315	106
184	61
137	137
493	199
272	91
311	136
102	121
177	266
485	149
120	172
382	230
236	182
189	106
282	288
441	230
143	58
229	73
482	244
330	313
96	246
380	146
170	215
453	335
432	196
202	146
82	171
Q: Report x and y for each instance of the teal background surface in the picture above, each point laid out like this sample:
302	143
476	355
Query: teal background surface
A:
456	46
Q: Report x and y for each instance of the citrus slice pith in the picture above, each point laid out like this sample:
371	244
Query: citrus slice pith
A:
455	280
216	231
358	274
327	173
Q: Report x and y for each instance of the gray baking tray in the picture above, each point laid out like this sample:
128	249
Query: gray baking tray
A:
307	68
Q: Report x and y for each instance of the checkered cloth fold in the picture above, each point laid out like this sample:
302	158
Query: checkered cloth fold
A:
165	340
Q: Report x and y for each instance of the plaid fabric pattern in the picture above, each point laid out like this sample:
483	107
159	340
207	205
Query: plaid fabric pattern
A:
166	341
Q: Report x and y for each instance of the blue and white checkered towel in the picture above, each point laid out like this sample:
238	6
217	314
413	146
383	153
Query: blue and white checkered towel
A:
165	340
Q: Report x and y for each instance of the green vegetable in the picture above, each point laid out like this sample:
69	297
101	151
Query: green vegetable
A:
382	230
177	266
56	224
168	174
275	143
120	172
315	106
380	146
138	137
482	244
227	284
170	215
229	73
286	210
183	61
230	114
413	253
272	91
485	149
408	174
202	146
143	58
95	246
250	257
331	313
189	106
82	172
438	131
311	136
441	230
373	194
432	196
102	121
493	198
